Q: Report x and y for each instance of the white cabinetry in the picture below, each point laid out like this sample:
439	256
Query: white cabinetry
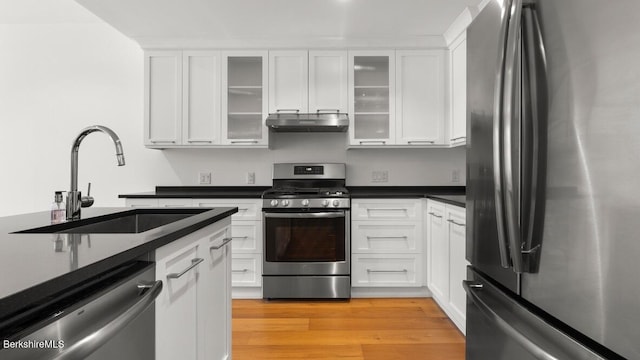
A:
447	262
182	98
371	97
288	81
420	97
193	313
307	81
397	98
387	243
162	98
458	95
246	229
244	98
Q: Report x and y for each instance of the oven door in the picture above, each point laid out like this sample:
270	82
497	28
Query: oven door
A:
311	242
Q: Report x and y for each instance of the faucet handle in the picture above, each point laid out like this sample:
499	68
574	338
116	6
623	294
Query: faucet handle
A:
86	201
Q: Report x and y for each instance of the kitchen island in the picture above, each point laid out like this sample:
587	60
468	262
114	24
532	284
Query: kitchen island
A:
38	267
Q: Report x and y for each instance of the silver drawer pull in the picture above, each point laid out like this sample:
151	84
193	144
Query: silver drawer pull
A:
240	237
194	263
455	223
387	271
458	138
199	141
243	209
163	141
295	111
420	142
436	215
224	242
373	142
387	237
244	142
240	271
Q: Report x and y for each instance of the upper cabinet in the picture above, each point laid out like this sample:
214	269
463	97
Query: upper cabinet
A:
307	81
200	97
420	97
398	98
394	98
244	98
371	97
458	123
288	81
163	98
328	81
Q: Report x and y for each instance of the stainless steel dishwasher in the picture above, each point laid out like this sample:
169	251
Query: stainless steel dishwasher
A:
110	317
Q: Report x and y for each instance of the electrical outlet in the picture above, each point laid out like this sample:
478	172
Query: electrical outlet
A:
380	176
204	178
455	176
251	177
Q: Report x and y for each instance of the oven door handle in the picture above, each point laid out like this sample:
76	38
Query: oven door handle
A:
310	215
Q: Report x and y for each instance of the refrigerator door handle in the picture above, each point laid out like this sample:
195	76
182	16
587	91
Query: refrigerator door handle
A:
497	138
511	118
534	143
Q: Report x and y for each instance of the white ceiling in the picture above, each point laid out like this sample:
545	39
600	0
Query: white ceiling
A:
281	23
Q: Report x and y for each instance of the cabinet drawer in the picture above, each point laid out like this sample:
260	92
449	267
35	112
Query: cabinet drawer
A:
386	209
248	209
396	237
246	270
402	270
247	236
169	203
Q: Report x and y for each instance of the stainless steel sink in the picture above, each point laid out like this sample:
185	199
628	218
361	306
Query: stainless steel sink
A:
127	222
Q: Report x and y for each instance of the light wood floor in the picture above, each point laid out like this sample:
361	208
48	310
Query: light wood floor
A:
368	329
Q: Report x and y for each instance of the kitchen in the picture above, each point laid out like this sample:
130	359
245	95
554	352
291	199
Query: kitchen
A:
67	66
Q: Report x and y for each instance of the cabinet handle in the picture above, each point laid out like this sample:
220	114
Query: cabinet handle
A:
194	263
327	111
456	223
392	209
225	241
243	209
200	141
240	237
373	142
436	215
420	142
163	141
244	142
458	138
387	237
387	271
240	271
288	110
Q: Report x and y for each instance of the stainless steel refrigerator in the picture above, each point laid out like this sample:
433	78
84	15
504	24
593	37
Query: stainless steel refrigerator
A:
553	180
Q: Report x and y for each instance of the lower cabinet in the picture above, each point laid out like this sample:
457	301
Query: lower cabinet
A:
193	312
386	240
447	264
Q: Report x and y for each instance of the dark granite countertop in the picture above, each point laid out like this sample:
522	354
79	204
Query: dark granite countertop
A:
255	192
35	266
203	192
458	200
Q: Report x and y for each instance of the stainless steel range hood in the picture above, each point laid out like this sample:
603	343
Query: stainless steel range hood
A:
308	122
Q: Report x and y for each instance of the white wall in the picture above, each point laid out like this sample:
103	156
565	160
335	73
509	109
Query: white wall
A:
63	70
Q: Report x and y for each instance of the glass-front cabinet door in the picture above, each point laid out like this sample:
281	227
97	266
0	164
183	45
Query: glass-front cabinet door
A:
371	101
244	98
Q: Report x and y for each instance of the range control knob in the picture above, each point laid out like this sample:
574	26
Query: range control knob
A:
274	202
285	202
305	202
325	203
336	203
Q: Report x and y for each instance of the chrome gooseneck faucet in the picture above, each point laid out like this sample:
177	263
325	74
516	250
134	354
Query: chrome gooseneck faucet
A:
75	200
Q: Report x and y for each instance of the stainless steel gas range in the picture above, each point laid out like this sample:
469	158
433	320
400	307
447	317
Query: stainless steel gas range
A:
307	235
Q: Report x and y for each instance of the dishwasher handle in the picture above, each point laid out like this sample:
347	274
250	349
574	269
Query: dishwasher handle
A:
91	342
